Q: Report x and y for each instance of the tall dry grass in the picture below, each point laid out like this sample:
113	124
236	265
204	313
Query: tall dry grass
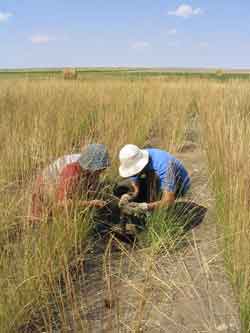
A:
40	121
225	113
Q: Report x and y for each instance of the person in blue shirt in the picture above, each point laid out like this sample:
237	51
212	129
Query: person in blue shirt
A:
153	166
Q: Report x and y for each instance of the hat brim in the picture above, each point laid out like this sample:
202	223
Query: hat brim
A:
136	168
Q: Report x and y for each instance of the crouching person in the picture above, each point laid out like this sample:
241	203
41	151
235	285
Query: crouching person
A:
157	178
68	179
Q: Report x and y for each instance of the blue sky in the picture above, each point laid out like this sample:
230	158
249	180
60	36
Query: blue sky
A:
56	33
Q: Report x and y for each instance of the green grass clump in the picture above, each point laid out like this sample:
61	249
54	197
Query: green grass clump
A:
164	231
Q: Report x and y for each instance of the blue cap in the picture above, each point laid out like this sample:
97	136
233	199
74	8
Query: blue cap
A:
94	157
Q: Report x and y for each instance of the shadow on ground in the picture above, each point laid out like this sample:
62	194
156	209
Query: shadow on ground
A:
188	214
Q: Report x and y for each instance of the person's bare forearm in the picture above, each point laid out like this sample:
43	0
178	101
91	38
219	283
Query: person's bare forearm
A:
159	204
82	203
68	203
93	203
167	200
135	190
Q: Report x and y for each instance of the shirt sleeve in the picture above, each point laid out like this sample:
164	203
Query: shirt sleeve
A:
68	180
169	182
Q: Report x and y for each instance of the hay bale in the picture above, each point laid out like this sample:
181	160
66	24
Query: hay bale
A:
70	74
219	73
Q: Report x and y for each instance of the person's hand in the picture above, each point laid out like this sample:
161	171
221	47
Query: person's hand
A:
135	208
139	206
125	198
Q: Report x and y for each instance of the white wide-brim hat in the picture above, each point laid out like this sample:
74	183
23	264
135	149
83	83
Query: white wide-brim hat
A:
132	160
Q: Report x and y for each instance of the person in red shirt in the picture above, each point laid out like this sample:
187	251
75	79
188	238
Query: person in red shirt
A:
68	179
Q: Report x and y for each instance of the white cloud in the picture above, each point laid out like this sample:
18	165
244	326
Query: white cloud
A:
140	45
41	39
172	32
4	17
186	11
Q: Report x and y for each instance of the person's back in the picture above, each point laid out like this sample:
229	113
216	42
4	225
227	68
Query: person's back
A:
51	173
169	169
172	175
46	185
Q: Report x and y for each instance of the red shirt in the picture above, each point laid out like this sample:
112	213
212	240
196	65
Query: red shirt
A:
69	182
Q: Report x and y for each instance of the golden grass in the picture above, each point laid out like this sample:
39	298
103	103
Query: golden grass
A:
42	120
225	124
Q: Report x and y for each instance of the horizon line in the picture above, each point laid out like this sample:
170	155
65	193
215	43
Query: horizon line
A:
142	68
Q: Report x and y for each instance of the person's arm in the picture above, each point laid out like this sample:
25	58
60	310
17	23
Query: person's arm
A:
168	198
130	196
168	185
82	203
136	189
92	203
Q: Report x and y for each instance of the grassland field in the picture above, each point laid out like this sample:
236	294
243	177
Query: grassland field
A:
47	117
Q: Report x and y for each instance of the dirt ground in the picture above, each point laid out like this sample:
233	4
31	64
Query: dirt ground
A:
180	291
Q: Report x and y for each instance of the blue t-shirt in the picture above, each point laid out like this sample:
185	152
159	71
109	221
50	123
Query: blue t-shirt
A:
172	175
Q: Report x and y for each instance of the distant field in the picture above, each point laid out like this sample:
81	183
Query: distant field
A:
137	73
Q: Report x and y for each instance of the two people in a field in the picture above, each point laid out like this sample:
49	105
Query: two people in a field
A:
154	178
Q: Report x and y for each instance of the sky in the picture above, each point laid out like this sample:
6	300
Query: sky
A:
129	33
